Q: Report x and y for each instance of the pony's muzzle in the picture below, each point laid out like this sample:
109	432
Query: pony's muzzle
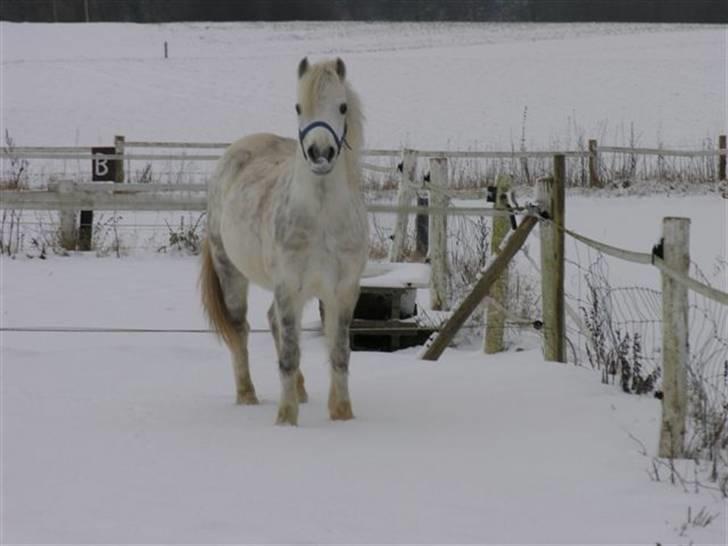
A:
321	145
321	168
321	159
317	155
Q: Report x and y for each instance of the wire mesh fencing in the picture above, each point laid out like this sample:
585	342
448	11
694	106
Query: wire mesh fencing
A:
617	328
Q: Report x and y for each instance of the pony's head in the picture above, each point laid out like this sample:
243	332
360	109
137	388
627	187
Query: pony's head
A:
328	114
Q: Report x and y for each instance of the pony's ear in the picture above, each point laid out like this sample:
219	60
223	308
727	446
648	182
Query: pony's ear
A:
340	68
302	67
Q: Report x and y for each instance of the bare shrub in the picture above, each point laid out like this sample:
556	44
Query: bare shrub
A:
185	238
145	176
14	175
469	250
106	240
379	241
11	236
616	353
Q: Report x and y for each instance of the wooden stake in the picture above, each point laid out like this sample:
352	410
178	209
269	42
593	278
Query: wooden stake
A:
85	230
479	291
439	293
675	349
552	262
405	195
494	318
594	181
68	228
422	228
119	146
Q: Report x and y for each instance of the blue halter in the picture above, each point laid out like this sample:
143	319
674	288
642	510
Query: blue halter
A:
311	126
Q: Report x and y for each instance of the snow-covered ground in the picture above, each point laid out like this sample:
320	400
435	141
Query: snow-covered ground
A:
134	438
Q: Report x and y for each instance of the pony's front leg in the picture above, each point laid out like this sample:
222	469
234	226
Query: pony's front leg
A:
300	382
337	318
288	313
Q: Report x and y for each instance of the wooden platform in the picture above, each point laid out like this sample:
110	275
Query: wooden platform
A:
387	335
385	315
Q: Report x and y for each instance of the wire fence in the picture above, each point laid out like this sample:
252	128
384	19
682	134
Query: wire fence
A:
617	328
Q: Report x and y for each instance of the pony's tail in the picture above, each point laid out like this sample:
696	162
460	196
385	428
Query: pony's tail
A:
213	300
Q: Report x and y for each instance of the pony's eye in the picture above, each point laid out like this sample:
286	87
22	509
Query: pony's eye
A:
298	109
343	108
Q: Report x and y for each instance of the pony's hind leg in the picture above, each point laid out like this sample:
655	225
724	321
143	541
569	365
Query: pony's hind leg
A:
275	330
338	312
233	326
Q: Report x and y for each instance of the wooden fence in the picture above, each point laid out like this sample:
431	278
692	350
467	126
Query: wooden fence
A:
549	212
70	197
670	257
123	151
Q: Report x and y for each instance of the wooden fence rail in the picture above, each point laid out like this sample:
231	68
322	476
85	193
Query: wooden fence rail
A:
662	152
110	196
84	152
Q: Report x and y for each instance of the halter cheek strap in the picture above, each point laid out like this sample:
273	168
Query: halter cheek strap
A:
311	126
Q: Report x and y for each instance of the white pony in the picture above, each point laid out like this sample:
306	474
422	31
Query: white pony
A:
289	216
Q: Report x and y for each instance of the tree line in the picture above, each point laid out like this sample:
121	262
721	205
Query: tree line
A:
156	11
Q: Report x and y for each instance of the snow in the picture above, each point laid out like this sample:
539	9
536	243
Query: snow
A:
635	223
396	274
135	438
425	86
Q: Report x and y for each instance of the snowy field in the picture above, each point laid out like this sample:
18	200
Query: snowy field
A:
135	438
423	85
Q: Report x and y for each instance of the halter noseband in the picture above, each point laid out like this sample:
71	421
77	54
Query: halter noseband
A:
311	126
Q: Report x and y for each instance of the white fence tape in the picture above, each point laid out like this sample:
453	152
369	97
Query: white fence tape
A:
650	259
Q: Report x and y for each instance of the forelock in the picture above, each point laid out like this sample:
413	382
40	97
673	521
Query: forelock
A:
316	78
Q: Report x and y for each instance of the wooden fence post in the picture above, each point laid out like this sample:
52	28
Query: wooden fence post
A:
495	318
594	181
675	349
722	158
68	230
422	237
405	195
439	292
85	229
119	149
552	262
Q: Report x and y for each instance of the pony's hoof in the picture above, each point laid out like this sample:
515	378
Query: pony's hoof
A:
301	393
341	411
247	399
287	415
